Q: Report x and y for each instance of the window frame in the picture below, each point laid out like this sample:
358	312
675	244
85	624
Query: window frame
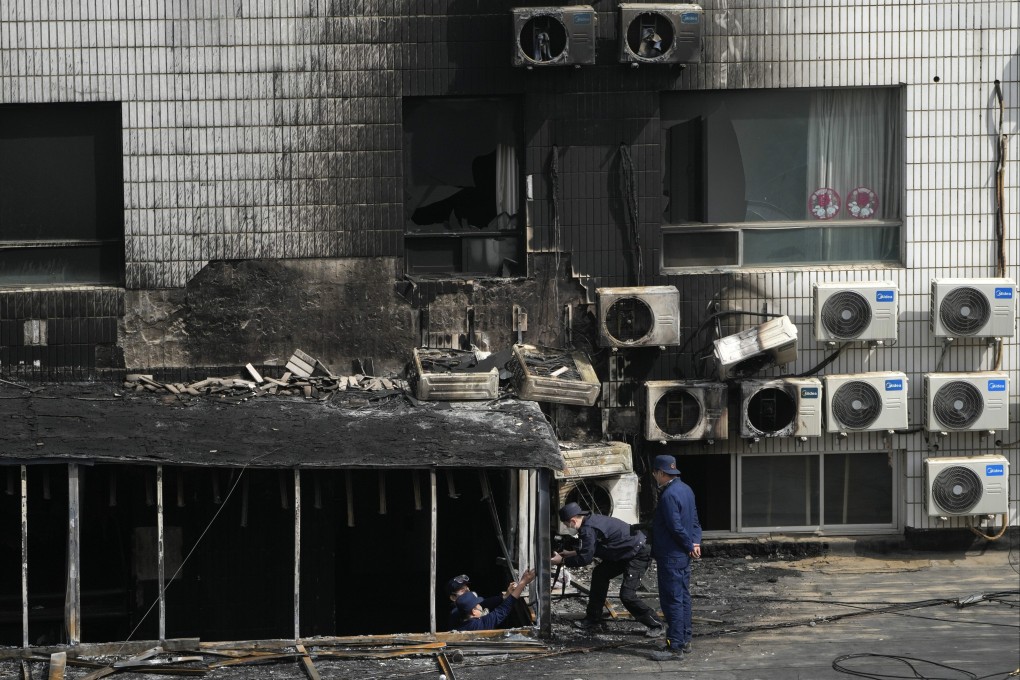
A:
667	228
103	122
896	458
513	106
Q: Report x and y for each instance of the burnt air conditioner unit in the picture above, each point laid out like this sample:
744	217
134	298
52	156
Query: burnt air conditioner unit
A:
956	402
438	374
615	496
554	375
973	308
865	311
743	354
554	36
639	316
659	33
966	485
594	459
681	410
786	407
862	402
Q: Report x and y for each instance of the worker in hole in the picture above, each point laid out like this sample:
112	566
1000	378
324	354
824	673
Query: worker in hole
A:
457	586
476	617
621	551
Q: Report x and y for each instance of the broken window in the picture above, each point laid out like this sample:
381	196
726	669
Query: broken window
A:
61	194
462	187
773	178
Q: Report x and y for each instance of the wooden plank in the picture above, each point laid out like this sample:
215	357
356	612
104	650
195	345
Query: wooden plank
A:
24	557
306	663
297	556
434	528
72	596
256	376
58	661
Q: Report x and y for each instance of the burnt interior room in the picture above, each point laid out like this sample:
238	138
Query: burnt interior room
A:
363	532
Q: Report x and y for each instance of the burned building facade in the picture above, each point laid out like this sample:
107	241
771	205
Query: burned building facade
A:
736	213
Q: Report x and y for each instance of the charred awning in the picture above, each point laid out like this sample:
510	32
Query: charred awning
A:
103	423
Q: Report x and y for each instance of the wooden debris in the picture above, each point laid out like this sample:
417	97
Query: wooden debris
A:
254	373
58	661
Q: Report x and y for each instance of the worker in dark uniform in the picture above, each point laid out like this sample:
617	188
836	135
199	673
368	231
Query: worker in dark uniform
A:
621	552
475	617
457	586
677	534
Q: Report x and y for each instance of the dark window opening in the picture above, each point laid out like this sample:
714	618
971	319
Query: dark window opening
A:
462	187
61	194
709	476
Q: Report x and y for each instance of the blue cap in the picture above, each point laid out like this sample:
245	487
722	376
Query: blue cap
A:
571	510
467	602
666	463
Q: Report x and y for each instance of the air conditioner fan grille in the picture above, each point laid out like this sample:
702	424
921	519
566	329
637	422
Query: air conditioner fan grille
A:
629	319
846	314
956	489
856	404
964	311
677	412
958	404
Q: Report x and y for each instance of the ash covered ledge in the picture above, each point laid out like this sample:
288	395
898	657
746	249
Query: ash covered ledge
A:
99	422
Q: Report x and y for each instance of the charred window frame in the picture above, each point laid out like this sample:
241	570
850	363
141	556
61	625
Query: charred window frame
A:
782	178
61	194
462	187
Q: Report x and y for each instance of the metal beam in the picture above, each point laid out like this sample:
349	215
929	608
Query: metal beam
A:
160	557
297	557
432	555
543	548
24	556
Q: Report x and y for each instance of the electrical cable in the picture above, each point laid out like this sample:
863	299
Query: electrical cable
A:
208	526
828	360
974	530
909	662
1000	184
629	191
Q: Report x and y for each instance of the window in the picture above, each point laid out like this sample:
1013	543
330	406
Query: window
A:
61	194
778	178
462	187
810	492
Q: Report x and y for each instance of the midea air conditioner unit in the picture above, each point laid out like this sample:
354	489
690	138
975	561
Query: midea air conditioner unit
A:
745	353
786	407
966	485
658	33
554	36
616	496
973	308
680	410
863	311
639	316
861	402
966	401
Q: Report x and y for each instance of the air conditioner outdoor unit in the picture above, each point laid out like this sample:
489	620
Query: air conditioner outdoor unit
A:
616	496
864	311
861	402
659	33
639	316
786	407
957	402
745	353
438	374
973	308
554	36
966	485
680	410
554	375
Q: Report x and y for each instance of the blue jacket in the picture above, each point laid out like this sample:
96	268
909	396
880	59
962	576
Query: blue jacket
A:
675	526
607	538
491	620
488	603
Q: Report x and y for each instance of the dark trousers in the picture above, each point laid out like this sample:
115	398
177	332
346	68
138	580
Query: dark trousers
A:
632	570
675	597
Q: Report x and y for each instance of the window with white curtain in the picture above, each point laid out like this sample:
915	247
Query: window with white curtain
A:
462	186
766	178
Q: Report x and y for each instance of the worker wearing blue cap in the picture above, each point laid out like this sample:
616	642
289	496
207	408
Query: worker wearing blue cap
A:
475	617
677	540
